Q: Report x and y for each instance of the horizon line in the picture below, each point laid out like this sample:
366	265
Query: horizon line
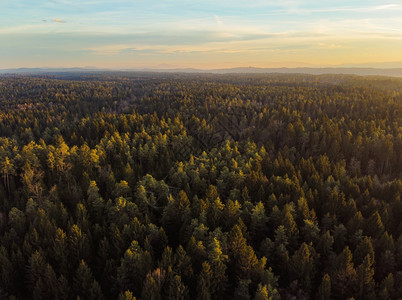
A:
346	66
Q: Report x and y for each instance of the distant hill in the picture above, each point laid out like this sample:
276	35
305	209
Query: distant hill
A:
317	71
395	72
45	70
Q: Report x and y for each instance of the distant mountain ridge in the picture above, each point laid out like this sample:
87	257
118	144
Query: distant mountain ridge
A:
395	72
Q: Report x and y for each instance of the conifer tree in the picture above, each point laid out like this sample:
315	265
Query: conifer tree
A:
262	293
84	283
204	282
324	290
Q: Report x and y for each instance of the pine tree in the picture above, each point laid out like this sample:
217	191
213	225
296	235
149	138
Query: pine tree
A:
84	284
64	289
36	268
78	244
167	258
324	246
365	273
204	282
242	290
151	290
134	266
387	289
8	170
175	216
127	295
345	282
290	225
242	256
302	266
365	247
177	290
215	207
59	248
374	225
48	285
6	270
182	264
262	293
218	269
258	222
324	290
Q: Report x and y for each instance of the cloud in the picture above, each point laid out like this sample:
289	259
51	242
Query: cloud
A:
59	21
389	7
218	20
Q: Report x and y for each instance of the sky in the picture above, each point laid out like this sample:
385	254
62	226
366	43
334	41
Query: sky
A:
205	34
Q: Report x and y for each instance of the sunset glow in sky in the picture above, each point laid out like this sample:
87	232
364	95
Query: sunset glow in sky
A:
201	34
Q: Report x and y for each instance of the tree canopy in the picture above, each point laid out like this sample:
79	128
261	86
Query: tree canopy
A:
174	186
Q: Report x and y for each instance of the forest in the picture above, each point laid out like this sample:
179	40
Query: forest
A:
156	186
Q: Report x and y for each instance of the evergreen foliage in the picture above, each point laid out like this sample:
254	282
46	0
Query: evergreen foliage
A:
172	186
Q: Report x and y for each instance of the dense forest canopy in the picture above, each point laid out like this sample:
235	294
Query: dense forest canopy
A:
184	186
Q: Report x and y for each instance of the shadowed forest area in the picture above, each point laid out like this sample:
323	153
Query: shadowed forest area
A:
200	186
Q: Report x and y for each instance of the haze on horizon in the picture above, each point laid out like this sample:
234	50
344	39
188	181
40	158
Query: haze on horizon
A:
200	34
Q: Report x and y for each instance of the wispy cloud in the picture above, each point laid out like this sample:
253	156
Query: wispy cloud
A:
59	21
218	20
213	31
296	10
